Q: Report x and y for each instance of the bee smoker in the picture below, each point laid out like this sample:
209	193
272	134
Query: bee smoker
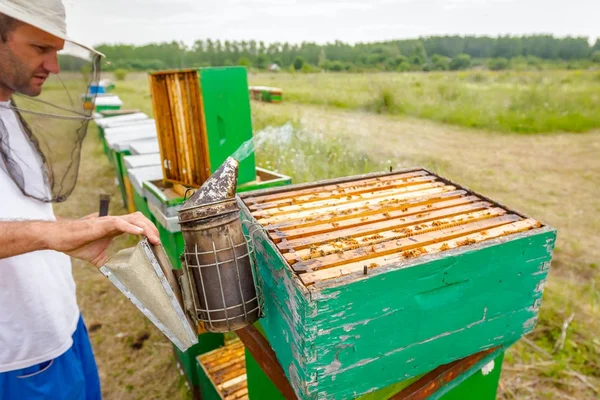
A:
218	279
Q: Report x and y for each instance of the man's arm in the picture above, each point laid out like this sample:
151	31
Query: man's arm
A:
20	237
87	238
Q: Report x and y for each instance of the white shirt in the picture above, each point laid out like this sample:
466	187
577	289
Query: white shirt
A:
38	307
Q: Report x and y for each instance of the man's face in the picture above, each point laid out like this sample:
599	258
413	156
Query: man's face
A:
27	57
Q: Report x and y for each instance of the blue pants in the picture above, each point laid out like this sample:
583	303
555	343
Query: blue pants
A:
71	376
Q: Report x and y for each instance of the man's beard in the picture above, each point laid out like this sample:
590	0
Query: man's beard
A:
15	76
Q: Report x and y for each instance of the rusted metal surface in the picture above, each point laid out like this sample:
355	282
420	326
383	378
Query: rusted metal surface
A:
217	257
440	377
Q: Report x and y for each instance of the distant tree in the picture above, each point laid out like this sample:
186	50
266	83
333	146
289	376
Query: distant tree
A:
262	61
419	55
518	50
440	63
461	61
292	69
244	62
337	66
298	63
498	64
596	57
392	64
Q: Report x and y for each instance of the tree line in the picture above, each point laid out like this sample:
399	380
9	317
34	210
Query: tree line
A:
429	53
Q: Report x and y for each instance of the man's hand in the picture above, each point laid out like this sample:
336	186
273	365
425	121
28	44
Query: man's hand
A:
89	238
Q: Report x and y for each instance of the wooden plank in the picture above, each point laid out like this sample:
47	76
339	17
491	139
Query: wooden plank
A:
232	382
379	223
320	226
358	207
231	378
205	154
346	200
189	129
363	241
184	144
156	98
310	278
333	187
401	245
177	162
352	191
431	383
239	395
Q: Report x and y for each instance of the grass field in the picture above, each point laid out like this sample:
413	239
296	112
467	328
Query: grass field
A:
510	101
553	177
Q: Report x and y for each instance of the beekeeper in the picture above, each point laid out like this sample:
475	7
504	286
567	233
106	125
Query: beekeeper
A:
45	351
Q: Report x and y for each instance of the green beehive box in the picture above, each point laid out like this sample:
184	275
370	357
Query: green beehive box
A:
203	117
373	280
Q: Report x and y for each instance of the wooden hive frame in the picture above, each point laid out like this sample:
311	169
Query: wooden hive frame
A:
225	367
372	280
338	229
181	126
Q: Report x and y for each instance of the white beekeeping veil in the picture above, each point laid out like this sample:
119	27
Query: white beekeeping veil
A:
44	161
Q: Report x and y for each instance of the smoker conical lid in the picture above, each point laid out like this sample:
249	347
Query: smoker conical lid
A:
219	187
144	274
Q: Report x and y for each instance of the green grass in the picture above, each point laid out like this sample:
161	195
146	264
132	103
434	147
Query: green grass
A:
307	156
521	102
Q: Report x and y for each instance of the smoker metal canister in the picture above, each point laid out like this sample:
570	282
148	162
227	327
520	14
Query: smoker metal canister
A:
217	256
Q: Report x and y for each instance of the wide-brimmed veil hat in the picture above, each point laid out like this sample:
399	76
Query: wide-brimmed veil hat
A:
47	15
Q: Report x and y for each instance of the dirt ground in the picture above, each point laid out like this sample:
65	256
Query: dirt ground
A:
555	178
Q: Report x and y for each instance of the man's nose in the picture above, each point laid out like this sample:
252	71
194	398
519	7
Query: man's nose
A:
51	63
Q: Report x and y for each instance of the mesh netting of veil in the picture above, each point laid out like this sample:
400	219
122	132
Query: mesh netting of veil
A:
40	148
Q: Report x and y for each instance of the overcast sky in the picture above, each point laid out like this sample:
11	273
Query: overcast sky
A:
143	21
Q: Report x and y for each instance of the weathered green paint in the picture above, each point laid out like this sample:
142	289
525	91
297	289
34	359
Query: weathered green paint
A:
227	116
141	205
354	335
477	386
